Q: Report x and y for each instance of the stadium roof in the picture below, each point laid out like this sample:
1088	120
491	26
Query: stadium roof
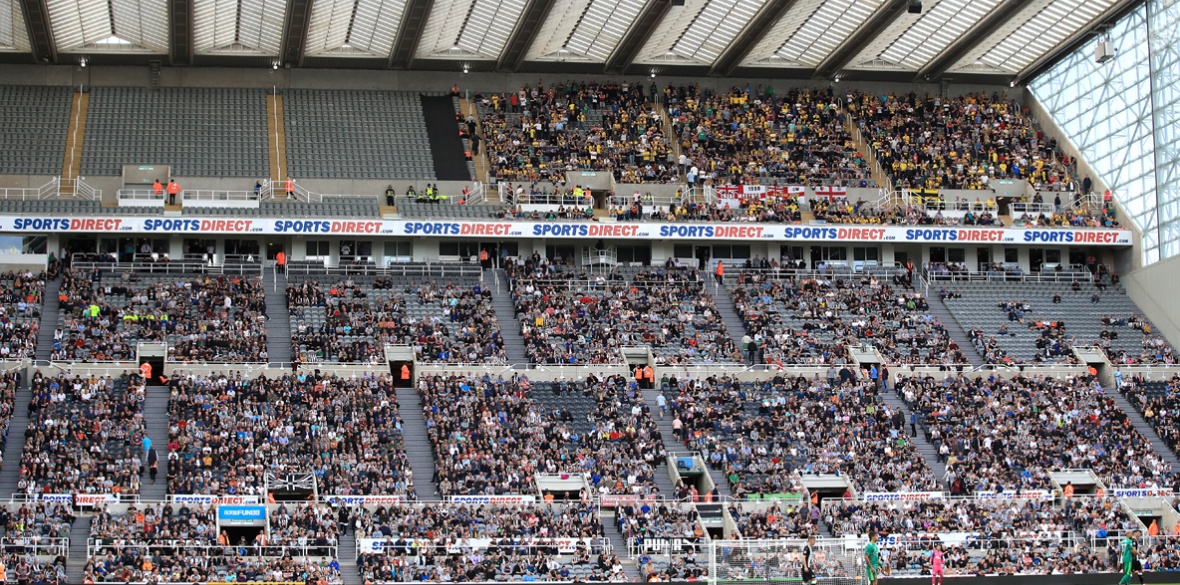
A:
964	40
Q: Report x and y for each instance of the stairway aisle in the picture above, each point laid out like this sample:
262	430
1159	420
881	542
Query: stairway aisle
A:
278	322
346	555
79	537
939	310
1145	429
619	546
418	449
926	448
14	447
49	319
674	446
155	421
509	325
733	323
446	147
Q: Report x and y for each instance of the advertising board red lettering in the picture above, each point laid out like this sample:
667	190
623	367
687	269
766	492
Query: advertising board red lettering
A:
226	225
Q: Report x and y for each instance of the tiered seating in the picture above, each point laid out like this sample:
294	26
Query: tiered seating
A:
356	135
353	319
519	543
9	383
343	207
1159	402
1006	434
813	318
20	313
200	132
203	319
764	435
148	543
71	207
955	143
34	122
36	541
537	133
1014	322
578	320
491	436
411	209
102	455
227	432
643	520
775	521
742	137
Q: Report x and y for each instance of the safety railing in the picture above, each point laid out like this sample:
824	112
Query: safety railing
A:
1007	276
98	546
1021	208
140	197
311	268
80	188
201	195
35	545
45	191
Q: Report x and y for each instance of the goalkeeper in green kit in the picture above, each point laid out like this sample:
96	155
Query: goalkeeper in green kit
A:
1129	559
872	558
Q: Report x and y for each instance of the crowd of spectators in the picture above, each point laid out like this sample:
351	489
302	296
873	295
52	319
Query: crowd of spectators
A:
20	313
85	435
999	434
640	521
764	435
1159	403
226	431
746	136
1043	556
443	322
203	319
961	142
807	320
539	133
567	320
490	436
776	521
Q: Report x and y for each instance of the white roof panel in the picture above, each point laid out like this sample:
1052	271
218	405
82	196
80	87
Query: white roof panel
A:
360	28
1033	33
13	36
585	30
914	40
109	25
469	28
699	31
810	31
238	26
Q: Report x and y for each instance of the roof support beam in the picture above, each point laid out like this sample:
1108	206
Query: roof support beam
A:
40	32
534	15
968	42
645	24
409	34
295	31
861	38
180	33
740	48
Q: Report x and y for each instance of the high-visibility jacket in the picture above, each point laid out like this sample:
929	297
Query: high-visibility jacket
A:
146	369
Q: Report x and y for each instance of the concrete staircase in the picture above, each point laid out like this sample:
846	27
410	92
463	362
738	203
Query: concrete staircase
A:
346	554
278	322
619	545
480	160
15	445
733	323
1142	426
76	563
155	422
276	138
418	449
72	163
939	309
49	319
925	447
663	480
866	149
509	325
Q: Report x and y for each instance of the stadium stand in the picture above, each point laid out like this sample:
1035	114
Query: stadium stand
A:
756	434
581	320
446	321
204	319
20	313
742	136
959	142
33	126
103	456
227	433
356	135
1023	322
343	207
1158	401
537	134
812	318
200	132
517	435
997	434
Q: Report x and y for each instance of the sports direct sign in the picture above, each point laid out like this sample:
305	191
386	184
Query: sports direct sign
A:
734	231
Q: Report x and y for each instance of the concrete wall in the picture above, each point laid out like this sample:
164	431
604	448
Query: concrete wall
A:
1152	288
410	80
